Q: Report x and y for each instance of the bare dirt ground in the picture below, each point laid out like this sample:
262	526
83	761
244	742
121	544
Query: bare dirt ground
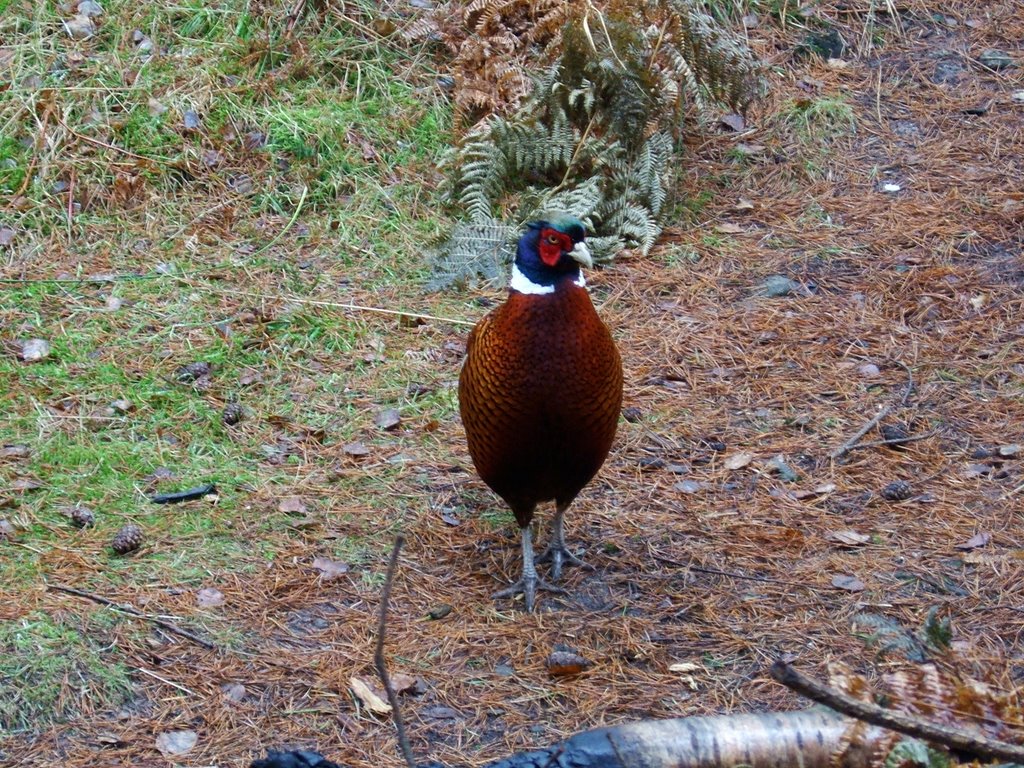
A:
703	555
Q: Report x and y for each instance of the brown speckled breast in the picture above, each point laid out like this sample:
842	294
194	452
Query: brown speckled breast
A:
540	394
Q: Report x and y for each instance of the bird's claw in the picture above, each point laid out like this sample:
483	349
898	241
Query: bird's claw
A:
557	554
528	588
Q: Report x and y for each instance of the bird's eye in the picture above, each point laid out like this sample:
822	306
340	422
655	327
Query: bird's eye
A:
553	239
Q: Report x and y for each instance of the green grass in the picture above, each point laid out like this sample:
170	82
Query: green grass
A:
58	668
310	174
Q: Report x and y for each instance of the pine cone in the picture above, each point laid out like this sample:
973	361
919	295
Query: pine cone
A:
128	539
82	517
897	490
233	413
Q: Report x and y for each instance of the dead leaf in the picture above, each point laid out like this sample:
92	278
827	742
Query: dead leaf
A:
821	490
23	484
849	583
388	419
233	691
565	663
208	597
728	228
356	449
6	235
733	122
976	541
173	743
684	666
7	530
368	698
738	461
743	205
403	683
292	505
329	569
13	451
849	538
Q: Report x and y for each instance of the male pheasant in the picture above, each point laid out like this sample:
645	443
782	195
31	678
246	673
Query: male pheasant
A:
541	389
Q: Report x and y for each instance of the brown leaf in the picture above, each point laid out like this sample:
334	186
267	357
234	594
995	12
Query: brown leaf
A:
208	597
13	451
403	683
329	569
738	460
733	122
976	541
849	538
292	505
565	663
371	700
356	448
849	583
388	419
23	484
729	228
173	743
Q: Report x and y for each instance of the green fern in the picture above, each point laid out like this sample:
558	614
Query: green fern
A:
596	135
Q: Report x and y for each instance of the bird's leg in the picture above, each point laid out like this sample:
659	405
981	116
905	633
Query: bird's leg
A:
556	552
530	581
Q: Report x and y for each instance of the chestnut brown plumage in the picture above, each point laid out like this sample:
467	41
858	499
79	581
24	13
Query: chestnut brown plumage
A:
541	390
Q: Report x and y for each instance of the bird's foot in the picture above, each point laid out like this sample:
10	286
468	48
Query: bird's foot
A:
528	587
557	554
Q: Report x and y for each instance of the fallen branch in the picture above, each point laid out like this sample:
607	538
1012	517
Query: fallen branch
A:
378	654
851	444
162	623
973	745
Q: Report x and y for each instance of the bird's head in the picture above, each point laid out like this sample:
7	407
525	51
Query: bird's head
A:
552	249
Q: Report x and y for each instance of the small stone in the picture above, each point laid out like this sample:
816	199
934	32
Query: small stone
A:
890	188
785	472
7	234
1018	96
34	350
995	59
1008	451
777	286
898	490
127	540
868	370
191	120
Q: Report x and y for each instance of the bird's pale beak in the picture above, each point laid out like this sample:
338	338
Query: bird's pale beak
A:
581	254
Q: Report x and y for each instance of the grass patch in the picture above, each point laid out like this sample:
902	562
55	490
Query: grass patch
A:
55	669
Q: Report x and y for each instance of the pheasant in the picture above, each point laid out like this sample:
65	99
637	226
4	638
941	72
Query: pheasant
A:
540	391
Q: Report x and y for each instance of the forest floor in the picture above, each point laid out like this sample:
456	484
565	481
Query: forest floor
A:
884	191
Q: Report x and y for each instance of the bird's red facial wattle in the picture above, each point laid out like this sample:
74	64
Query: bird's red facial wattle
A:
552	245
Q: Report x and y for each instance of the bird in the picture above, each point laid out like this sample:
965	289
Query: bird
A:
540	391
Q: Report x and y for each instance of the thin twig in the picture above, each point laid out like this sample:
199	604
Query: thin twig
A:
962	741
333	305
378	654
895	440
163	623
850	444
